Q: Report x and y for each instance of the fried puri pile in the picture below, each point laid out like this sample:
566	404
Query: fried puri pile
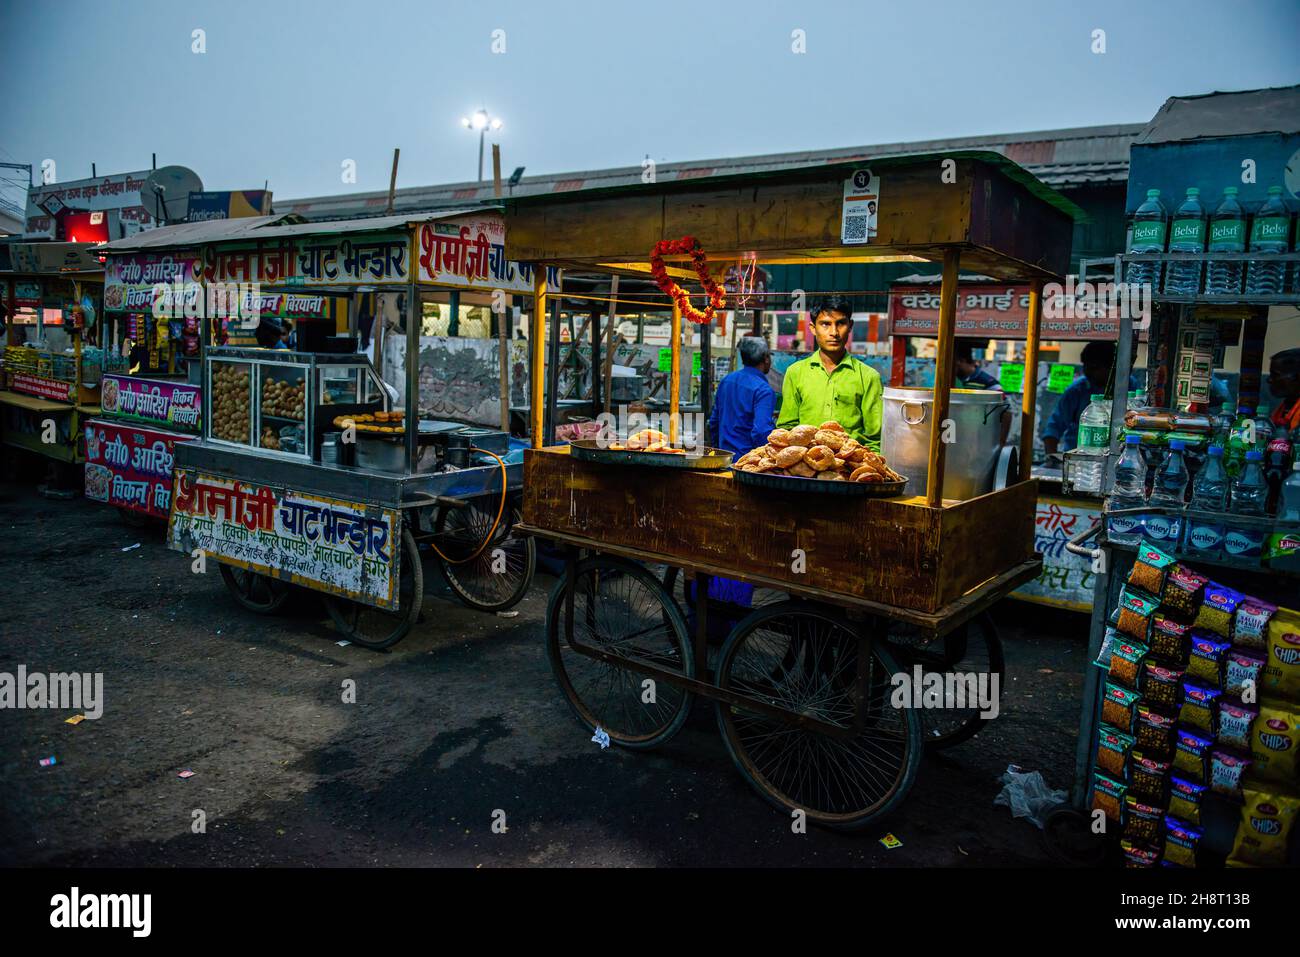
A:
822	452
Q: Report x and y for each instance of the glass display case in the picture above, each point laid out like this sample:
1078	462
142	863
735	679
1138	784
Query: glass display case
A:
278	402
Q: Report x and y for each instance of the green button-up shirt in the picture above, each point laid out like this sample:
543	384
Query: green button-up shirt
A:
851	394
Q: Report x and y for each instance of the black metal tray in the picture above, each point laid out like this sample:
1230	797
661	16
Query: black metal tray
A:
796	483
709	460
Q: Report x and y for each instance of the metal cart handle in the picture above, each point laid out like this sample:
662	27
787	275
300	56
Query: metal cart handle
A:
1075	545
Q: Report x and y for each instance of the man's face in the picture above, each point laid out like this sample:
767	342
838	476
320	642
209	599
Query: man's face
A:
1284	379
831	329
965	367
766	365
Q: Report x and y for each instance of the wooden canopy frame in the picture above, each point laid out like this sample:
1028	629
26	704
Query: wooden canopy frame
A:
972	209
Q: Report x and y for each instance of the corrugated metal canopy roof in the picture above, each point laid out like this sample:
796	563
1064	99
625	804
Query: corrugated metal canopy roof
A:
267	227
1213	115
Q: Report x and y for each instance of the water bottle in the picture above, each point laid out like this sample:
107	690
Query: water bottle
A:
1210	495
1148	236
1223	423
1263	428
1284	542
1268	237
1129	491
1089	463
1288	511
1227	235
1169	490
1277	465
1249	489
1186	235
1238	445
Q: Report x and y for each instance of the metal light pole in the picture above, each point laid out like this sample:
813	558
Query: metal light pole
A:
482	122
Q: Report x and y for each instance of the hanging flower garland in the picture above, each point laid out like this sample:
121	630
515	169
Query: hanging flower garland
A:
678	247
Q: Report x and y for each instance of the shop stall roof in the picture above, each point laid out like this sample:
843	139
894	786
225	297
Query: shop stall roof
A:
253	228
1214	115
1006	223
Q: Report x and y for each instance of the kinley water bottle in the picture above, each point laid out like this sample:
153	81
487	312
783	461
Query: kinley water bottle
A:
1268	237
1249	493
1129	491
1169	491
1186	235
1209	495
1148	236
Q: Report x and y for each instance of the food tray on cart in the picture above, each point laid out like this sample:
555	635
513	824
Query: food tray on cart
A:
796	483
589	450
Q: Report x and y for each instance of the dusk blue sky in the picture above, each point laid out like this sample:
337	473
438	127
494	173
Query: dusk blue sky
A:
288	90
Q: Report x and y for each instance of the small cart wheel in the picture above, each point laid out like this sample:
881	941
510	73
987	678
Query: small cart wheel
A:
376	628
804	659
619	607
1069	838
500	575
972	649
257	592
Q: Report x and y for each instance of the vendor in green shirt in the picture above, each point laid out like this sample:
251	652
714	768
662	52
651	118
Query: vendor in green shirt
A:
831	384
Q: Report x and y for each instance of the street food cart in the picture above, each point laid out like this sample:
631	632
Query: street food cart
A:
802	687
48	394
310	470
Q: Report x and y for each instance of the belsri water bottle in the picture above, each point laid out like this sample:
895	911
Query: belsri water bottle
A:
1186	235
1268	237
1128	492
1209	495
1227	235
1093	441
1169	490
1147	236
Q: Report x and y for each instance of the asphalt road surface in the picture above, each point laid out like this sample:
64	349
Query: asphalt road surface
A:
458	722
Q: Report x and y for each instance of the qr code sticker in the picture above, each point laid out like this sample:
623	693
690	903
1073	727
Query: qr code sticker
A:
855	227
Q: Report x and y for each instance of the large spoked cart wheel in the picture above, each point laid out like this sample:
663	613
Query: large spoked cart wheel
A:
619	615
485	563
824	736
377	628
969	651
257	592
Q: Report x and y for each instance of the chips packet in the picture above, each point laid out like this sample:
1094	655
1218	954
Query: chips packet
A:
1137	856
1108	796
1161	686
1135	611
1226	770
1235	721
1150	568
1274	742
1250	624
1111	638
1181	840
1169	639
1147	775
1142	822
1241	670
1199	707
1126	657
1113	747
1281	674
1184	590
1185	799
1217	609
1205	658
1155	731
1117	706
1266	821
1191	751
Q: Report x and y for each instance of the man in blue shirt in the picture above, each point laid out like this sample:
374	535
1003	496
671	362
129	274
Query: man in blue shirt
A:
744	408
1061	433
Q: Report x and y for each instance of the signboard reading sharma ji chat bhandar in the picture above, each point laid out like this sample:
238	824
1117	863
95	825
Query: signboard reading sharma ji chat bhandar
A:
344	548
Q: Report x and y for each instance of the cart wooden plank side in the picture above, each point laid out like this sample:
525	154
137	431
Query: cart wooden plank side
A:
867	588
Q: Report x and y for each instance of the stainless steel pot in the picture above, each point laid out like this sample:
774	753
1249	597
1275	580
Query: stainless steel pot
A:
972	455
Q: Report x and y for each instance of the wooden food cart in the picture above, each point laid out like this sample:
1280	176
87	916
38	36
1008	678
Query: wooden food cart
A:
802	688
270	490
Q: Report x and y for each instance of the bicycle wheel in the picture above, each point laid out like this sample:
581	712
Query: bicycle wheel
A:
377	628
803	659
620	608
499	576
969	651
257	592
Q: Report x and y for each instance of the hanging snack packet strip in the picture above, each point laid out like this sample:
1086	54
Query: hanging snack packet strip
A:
1226	770
1266	821
1199	707
1217	609
1184	590
1281	676
1180	843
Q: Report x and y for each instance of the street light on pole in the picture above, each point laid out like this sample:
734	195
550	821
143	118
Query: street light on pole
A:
480	121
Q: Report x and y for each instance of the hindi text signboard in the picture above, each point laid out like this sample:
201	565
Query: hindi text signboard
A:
130	467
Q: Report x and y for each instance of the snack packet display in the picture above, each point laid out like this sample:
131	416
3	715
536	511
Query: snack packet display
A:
1274	741
1181	840
1266	821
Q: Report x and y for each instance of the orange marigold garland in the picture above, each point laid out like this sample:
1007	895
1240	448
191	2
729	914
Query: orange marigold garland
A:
677	247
